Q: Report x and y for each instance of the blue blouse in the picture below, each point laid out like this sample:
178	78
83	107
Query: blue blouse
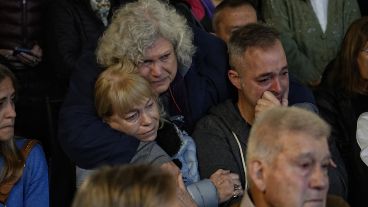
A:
32	189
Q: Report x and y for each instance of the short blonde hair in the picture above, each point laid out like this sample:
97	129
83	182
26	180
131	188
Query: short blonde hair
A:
136	26
119	88
268	129
129	185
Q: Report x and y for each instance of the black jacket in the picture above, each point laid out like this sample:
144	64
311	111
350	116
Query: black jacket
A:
336	108
73	29
21	23
90	142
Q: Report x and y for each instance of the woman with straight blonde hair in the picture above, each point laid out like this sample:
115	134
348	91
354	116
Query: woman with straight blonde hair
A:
127	103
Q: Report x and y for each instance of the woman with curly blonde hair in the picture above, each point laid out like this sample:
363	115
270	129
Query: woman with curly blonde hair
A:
136	27
186	67
128	104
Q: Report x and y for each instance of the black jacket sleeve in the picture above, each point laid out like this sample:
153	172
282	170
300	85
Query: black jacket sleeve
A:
85	138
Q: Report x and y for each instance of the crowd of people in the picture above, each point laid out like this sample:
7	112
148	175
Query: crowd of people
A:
184	103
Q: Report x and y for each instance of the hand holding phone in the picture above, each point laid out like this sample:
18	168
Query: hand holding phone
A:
31	57
18	50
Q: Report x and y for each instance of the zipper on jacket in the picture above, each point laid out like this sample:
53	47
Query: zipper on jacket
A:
24	23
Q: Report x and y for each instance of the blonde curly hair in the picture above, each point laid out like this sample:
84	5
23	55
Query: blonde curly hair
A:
136	26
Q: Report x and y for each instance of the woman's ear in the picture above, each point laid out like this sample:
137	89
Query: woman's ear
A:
105	119
109	120
256	173
234	78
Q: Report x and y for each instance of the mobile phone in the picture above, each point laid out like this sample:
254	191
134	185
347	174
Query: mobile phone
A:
18	50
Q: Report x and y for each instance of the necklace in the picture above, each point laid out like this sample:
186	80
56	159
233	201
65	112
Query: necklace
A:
172	97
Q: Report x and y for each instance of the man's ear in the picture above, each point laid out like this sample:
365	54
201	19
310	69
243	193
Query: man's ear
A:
256	173
234	78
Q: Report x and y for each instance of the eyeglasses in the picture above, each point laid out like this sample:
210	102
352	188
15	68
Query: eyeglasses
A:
365	50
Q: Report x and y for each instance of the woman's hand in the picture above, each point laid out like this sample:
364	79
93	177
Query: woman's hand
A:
227	184
184	199
182	195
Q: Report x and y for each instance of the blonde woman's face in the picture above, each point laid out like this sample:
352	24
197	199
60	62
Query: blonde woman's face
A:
141	122
7	109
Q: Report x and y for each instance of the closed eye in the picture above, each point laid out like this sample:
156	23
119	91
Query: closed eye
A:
150	103
264	80
305	165
326	164
13	98
131	116
165	57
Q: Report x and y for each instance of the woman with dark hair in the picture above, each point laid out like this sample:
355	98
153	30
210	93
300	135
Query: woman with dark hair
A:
342	99
31	189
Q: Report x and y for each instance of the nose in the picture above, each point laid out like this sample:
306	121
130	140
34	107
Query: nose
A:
276	86
156	69
146	119
10	110
319	178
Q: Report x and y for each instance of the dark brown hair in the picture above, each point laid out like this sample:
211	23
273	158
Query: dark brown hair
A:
345	69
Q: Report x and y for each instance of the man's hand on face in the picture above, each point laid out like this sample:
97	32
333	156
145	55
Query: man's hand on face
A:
268	101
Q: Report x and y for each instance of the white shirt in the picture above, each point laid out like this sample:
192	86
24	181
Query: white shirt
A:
362	136
320	8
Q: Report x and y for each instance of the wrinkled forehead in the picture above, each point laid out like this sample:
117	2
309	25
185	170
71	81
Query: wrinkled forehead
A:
300	144
136	104
265	47
239	46
243	13
6	89
158	47
262	59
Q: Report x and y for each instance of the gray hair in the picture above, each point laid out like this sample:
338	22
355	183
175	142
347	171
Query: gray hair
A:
136	26
269	127
251	35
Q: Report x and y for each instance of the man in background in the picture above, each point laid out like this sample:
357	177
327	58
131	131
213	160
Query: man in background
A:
231	15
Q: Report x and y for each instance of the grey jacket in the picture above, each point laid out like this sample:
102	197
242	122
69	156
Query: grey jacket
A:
203	192
217	147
